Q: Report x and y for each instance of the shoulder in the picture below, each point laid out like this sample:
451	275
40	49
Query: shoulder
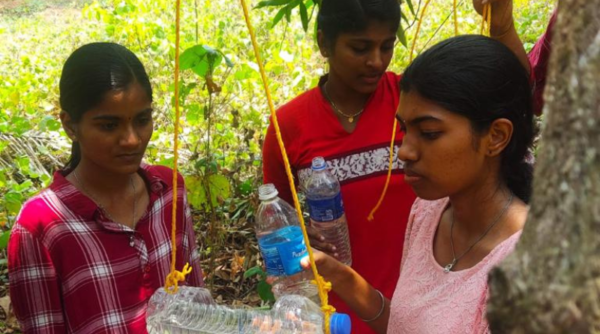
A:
39	212
298	106
392	78
162	174
391	81
425	214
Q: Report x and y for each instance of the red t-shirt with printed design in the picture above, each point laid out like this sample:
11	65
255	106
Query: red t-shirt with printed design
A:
360	162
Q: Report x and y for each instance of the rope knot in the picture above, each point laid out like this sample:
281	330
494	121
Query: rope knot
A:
328	309
176	276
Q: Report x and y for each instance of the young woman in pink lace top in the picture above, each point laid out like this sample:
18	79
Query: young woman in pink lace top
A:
467	116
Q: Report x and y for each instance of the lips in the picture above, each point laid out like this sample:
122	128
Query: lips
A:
129	157
411	177
371	78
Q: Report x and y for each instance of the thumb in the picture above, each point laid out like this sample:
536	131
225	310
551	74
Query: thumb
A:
305	262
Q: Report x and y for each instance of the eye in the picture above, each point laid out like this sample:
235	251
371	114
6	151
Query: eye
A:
359	49
431	135
108	126
387	47
144	120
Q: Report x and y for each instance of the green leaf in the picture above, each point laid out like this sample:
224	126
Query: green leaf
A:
201	59
288	11
49	123
228	61
304	16
191	57
4	239
13	201
271	3
245	188
255	271
411	7
278	16
264	291
219	189
401	36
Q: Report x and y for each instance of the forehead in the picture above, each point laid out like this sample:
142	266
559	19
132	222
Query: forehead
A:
413	105
375	31
123	102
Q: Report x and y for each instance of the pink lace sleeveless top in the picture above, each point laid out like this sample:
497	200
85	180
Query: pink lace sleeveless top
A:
429	301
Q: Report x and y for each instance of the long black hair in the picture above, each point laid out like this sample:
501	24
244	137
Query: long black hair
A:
89	73
347	16
482	80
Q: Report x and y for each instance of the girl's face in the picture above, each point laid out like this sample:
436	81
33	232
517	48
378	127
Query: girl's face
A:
114	135
442	155
360	59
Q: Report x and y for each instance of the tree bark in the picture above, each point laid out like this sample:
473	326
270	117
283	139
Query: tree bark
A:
551	283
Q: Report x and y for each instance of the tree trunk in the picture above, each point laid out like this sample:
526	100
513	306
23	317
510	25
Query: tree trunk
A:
551	283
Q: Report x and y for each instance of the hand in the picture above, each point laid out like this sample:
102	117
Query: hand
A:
317	240
328	267
502	17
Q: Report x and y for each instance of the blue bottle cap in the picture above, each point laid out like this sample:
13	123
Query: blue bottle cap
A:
340	323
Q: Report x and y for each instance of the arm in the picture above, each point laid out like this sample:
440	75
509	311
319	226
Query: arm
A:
539	57
273	166
503	27
34	284
354	290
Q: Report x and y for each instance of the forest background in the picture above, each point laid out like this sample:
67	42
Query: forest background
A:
225	112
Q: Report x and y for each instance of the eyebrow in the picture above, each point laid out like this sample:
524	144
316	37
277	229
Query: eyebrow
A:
418	120
366	40
116	118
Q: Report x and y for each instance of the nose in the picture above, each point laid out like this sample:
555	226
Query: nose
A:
407	151
130	137
375	59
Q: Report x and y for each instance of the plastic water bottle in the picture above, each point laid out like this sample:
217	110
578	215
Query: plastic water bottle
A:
192	310
327	209
282	245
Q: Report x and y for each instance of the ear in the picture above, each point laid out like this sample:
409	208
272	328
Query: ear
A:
68	125
498	136
322	44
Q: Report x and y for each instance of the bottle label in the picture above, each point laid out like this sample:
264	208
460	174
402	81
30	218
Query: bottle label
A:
282	251
325	210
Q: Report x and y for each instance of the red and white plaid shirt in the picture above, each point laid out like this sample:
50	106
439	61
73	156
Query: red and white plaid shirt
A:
73	270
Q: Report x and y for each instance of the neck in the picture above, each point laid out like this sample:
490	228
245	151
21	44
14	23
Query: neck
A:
473	212
100	181
349	100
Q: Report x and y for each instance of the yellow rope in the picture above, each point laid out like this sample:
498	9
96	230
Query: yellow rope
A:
323	286
175	276
486	20
455	18
395	126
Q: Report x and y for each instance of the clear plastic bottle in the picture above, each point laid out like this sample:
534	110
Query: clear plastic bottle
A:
326	209
192	311
282	245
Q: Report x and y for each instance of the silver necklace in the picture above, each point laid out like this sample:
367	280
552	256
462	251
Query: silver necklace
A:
334	107
455	259
87	192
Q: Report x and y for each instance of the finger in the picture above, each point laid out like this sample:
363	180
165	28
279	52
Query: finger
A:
323	246
317	240
314	234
